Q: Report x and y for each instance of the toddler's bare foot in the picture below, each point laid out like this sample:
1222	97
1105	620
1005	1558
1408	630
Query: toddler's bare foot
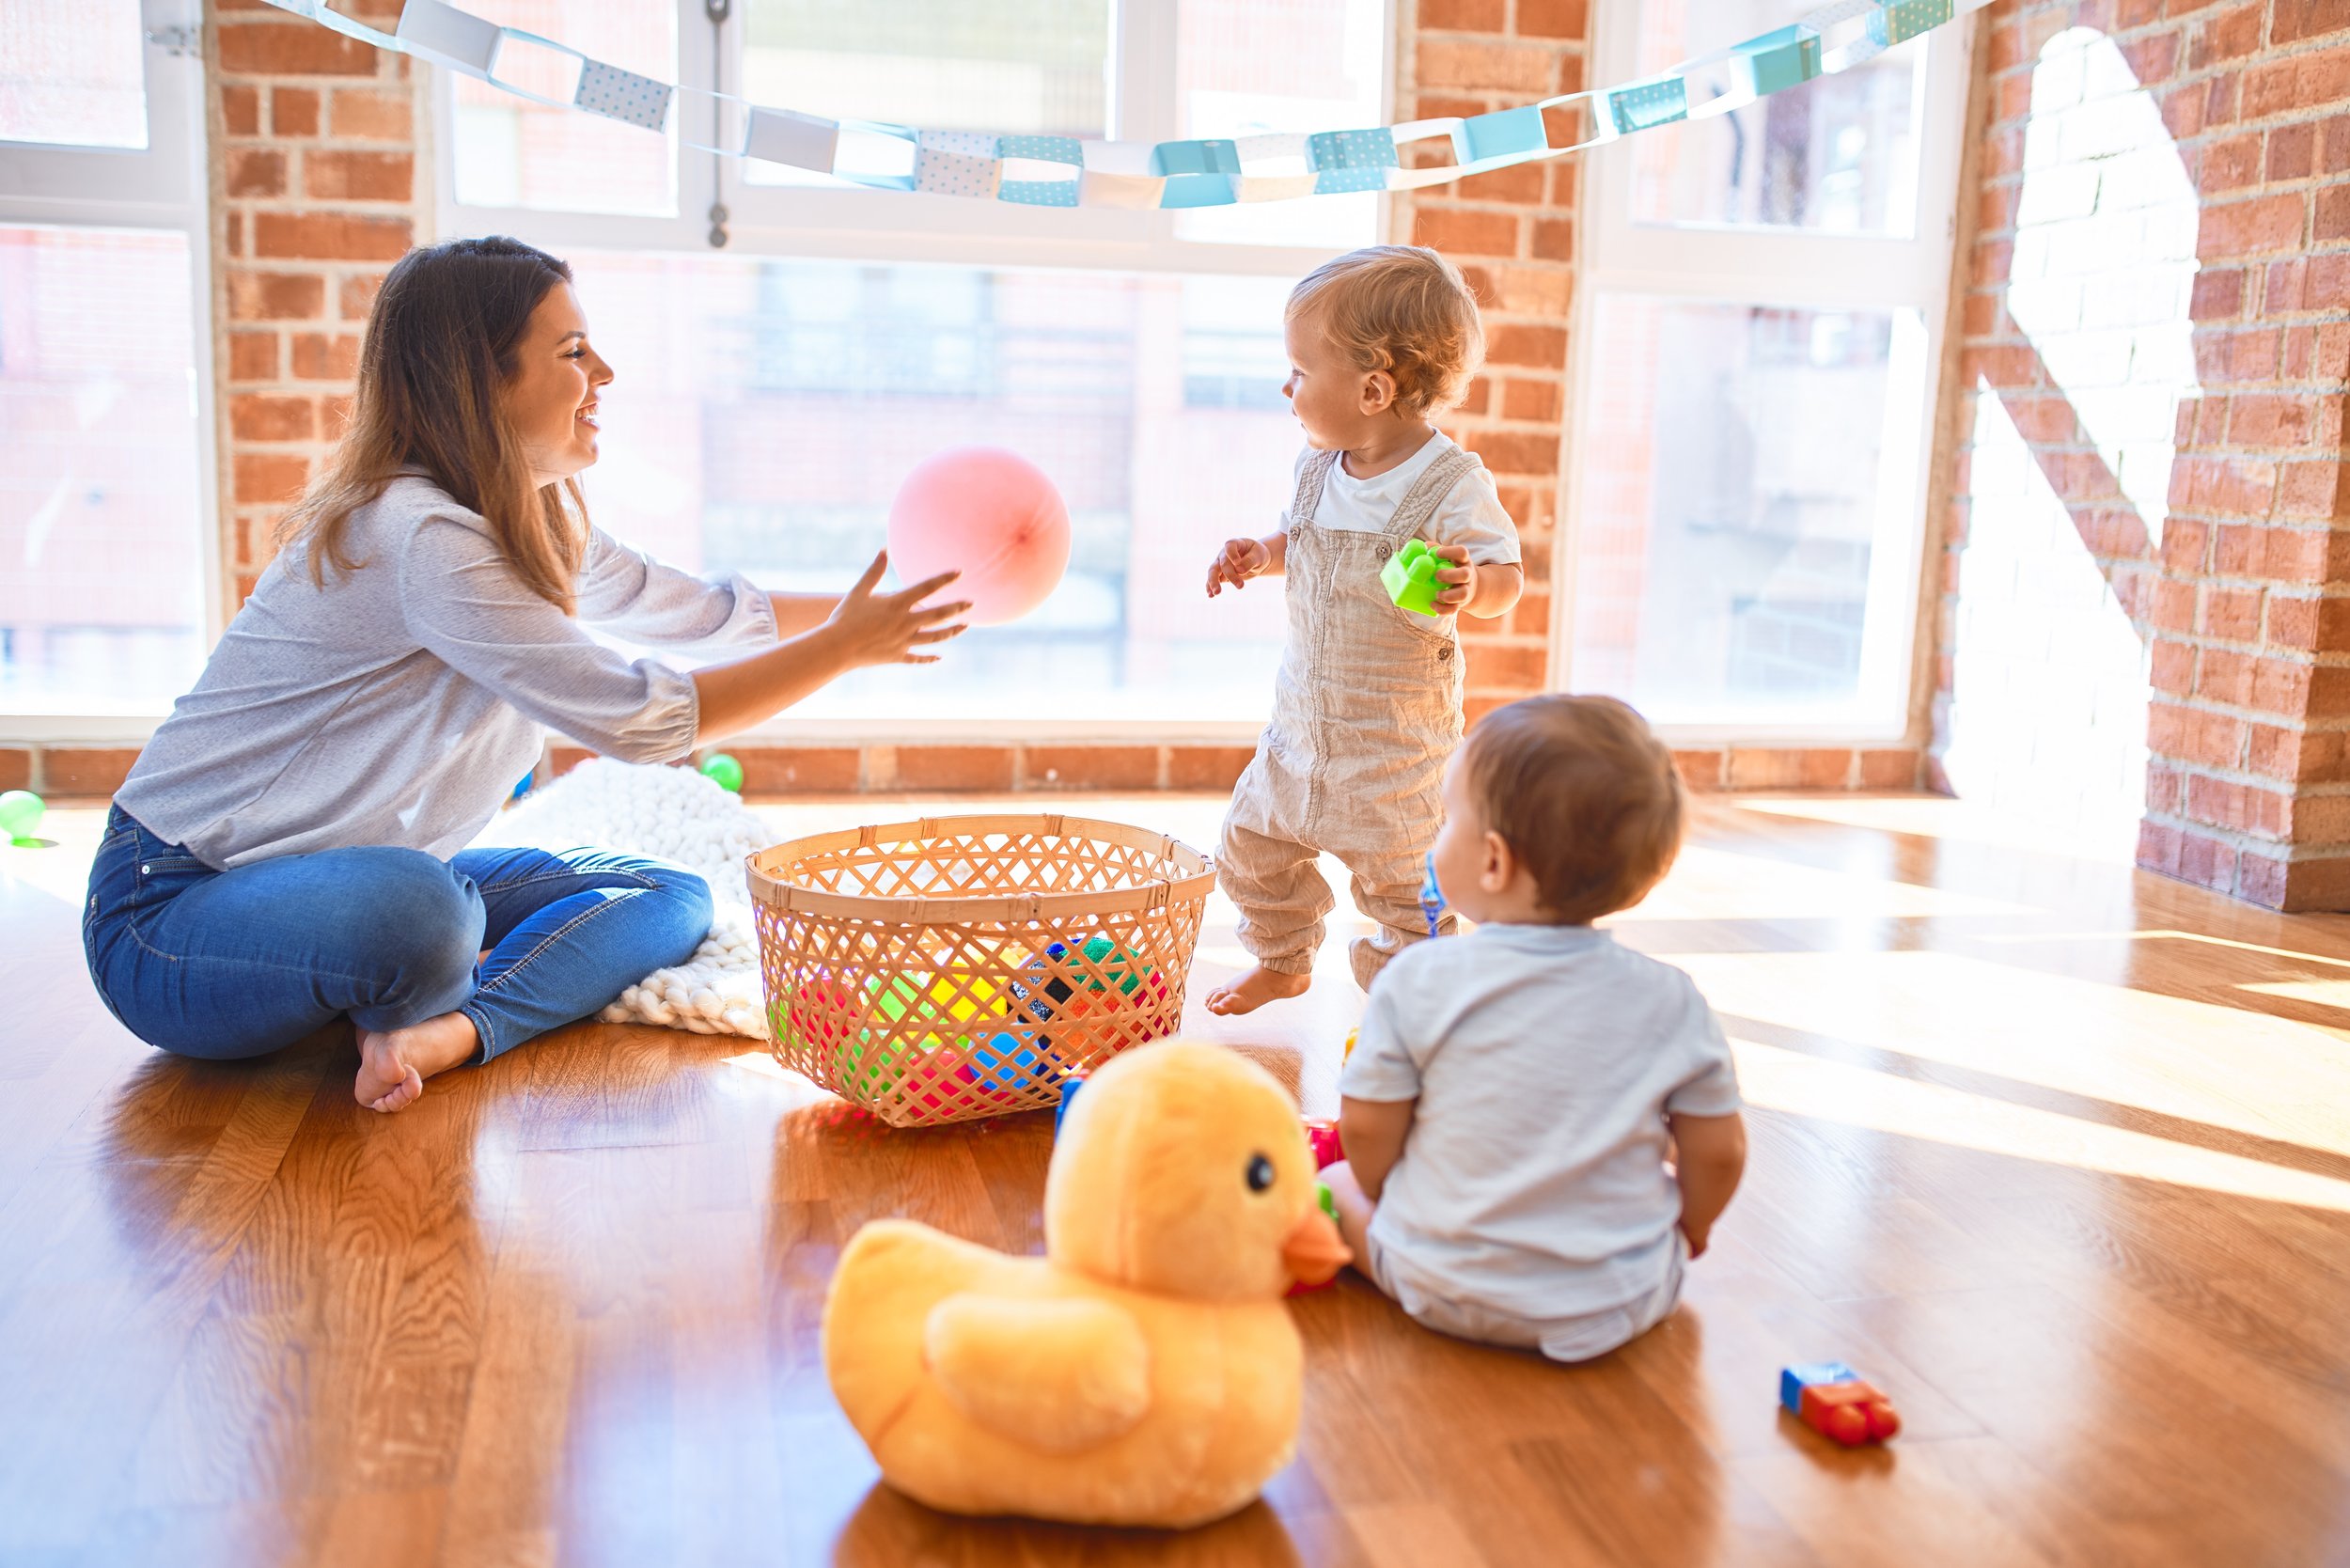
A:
393	1065
1254	989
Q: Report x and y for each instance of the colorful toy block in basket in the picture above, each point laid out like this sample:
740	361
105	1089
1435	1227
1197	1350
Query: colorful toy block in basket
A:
957	968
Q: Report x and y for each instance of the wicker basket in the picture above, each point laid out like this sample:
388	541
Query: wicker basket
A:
958	967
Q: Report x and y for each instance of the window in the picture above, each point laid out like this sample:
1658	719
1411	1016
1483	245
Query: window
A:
72	79
108	595
773	391
1760	329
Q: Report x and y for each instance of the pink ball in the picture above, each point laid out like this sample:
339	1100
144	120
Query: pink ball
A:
989	513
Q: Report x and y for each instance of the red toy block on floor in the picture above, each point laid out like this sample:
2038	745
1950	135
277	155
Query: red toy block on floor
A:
1830	1399
1323	1138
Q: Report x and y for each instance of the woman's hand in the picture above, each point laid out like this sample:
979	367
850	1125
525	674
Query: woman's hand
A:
1240	560
890	628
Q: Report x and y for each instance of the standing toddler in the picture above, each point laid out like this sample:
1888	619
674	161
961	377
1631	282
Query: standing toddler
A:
1367	706
1540	1125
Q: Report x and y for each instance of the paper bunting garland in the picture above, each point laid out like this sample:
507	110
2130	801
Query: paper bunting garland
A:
1064	171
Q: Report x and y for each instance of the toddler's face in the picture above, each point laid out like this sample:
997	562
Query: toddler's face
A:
1328	392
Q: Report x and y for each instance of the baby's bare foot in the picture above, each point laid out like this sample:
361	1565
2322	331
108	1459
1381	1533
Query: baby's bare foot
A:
1252	990
393	1065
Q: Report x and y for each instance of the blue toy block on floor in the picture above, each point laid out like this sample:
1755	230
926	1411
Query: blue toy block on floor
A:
1794	1380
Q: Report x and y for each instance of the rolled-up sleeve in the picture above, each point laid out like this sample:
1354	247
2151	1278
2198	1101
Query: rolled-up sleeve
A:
632	595
1472	514
465	605
1382	1066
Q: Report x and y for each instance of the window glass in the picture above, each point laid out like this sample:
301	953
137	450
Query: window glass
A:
766	410
511	152
102	605
1838	154
1732	506
72	74
1024	66
1245	68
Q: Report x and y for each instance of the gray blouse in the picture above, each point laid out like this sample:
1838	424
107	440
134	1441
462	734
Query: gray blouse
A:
400	703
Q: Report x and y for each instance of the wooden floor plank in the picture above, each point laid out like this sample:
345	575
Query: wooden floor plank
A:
2057	1153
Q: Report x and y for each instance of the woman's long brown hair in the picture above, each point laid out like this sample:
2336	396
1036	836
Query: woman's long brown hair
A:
441	342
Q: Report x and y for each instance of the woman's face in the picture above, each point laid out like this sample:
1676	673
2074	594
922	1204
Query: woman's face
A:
552	395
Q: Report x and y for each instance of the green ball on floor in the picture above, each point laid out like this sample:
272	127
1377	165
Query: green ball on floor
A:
724	770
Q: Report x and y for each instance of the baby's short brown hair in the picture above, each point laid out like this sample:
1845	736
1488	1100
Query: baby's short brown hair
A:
1585	795
1402	310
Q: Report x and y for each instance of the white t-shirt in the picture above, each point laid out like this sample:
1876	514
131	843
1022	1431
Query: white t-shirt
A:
1544	1059
1470	514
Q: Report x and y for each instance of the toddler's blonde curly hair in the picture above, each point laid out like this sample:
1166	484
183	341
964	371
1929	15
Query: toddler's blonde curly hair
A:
1402	310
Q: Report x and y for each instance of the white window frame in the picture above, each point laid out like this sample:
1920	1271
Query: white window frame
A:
843	223
1790	268
165	186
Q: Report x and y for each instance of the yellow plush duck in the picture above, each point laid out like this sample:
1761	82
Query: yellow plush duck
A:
1144	1371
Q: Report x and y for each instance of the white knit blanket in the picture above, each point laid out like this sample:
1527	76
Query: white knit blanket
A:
675	814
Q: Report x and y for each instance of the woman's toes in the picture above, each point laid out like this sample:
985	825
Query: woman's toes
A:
403	1095
382	1073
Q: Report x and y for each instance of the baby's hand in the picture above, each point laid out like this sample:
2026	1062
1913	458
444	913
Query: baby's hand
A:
1460	578
1241	560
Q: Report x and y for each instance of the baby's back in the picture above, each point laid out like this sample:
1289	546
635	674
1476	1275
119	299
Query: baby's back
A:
1544	1060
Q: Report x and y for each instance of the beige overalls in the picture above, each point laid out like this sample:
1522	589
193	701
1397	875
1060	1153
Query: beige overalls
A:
1366	710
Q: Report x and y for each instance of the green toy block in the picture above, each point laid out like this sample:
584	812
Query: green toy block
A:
1410	576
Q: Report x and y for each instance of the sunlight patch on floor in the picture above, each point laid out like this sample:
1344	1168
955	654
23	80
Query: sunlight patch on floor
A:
1711	884
2325	993
2045	936
762	1063
59	866
1935	817
2196	1061
1776	1079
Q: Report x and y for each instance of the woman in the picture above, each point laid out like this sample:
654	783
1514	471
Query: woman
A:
291	847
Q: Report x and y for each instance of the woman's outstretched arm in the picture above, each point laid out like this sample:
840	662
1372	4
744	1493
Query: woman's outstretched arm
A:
801	612
863	628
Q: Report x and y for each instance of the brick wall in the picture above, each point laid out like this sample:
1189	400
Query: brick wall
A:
1512	233
317	189
2147	589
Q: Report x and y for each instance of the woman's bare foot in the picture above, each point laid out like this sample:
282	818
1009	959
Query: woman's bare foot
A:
394	1065
1254	989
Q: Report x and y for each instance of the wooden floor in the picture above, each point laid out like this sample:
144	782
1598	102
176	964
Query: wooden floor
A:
2060	1154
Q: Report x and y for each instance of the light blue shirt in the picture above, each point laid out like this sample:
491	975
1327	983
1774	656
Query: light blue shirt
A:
398	704
1544	1059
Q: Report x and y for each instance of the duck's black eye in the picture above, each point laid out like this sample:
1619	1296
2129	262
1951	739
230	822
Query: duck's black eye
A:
1260	1174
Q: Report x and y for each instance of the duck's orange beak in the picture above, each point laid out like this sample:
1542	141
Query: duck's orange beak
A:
1313	1251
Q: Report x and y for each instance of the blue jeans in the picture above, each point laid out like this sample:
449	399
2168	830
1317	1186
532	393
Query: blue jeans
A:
240	963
